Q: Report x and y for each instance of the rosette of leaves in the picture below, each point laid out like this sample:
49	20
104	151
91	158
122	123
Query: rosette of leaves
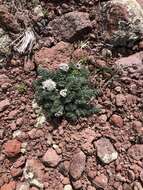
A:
75	103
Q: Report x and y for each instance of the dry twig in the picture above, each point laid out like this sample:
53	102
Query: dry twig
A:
25	42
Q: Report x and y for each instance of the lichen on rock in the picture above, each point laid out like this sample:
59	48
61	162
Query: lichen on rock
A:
5	42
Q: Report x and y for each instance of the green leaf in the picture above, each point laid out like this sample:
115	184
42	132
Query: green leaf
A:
79	93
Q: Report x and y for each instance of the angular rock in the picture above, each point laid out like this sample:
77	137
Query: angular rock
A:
136	151
133	15
29	65
88	148
10	186
105	150
64	168
12	148
35	167
15	172
12	114
4	104
51	158
138	127
88	135
50	58
133	62
70	26
117	120
101	181
7	20
102	119
77	165
123	21
120	100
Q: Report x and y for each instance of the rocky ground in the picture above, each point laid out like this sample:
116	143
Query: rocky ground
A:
104	151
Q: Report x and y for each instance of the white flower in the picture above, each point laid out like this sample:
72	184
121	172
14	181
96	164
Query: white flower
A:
49	85
35	105
64	67
63	92
41	119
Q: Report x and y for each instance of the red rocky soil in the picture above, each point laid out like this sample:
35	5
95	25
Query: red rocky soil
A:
104	151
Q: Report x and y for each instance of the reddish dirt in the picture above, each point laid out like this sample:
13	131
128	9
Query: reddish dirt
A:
104	151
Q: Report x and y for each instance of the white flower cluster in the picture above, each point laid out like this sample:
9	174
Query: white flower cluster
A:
63	92
64	67
49	85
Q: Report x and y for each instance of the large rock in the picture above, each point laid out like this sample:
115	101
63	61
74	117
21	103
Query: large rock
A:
124	10
51	158
7	20
124	21
132	62
136	151
105	150
70	26
77	165
50	58
12	148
